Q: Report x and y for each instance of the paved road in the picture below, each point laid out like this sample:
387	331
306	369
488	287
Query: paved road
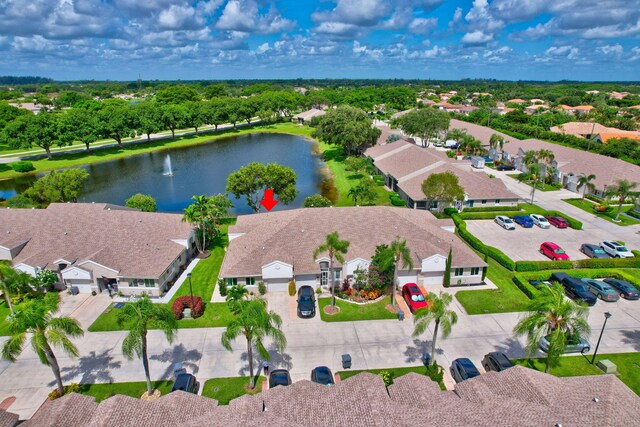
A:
372	344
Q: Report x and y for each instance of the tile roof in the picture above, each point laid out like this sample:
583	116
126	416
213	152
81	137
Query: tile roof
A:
409	160
291	236
515	397
309	114
579	128
606	136
136	244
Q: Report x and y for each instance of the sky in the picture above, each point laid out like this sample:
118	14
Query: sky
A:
285	39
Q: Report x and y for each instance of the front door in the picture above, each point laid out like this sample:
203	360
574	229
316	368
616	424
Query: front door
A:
324	273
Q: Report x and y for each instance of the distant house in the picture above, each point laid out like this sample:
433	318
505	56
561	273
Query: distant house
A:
30	106
308	115
579	109
594	131
535	108
517	101
604	137
98	247
618	95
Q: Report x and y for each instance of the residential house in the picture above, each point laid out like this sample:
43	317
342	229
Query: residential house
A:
305	116
277	247
517	101
98	247
517	396
604	137
535	108
579	109
618	95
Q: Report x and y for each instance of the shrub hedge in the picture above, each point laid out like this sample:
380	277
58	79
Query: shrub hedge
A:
493	209
633	214
524	266
181	303
22	166
474	215
397	201
450	211
475	243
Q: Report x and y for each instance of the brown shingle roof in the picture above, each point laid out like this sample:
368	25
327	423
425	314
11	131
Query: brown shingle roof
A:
409	160
291	236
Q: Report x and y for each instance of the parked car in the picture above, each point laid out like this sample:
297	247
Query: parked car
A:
463	369
593	251
496	361
413	297
322	375
505	222
616	250
574	345
451	143
575	288
539	283
540	221
306	302
553	251
602	290
558	221
505	167
186	383
523	220
626	289
279	377
437	144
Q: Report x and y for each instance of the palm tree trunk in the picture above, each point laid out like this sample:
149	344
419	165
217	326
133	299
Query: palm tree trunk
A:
145	363
252	381
204	237
53	362
331	283
7	297
433	344
547	366
619	209
395	282
533	191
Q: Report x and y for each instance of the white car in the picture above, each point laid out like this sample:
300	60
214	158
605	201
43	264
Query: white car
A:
505	222
616	250
540	221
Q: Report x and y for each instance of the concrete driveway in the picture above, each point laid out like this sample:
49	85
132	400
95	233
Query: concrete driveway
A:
524	243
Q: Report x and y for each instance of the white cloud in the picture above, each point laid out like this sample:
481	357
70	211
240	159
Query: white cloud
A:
570	52
179	18
611	49
264	47
245	16
423	25
477	38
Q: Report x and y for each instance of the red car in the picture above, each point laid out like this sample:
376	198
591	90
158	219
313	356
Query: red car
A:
413	297
558	221
553	251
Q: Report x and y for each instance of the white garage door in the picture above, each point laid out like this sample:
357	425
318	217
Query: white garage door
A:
432	278
83	289
407	278
278	285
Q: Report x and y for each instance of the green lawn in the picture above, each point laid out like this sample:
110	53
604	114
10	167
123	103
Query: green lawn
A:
203	278
351	312
133	389
224	390
4	312
507	298
397	372
542	186
609	216
628	367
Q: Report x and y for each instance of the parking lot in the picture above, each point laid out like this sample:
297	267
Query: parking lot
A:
524	243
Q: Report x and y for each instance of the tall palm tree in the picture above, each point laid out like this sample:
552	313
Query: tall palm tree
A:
255	323
457	134
198	212
11	282
139	317
495	141
34	320
552	315
397	253
546	157
335	248
437	312
622	189
532	161
584	182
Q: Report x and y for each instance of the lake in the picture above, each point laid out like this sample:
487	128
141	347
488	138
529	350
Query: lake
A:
199	169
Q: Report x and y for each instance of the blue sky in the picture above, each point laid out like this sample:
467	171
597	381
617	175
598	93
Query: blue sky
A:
254	39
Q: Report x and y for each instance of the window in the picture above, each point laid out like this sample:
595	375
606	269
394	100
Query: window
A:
250	281
232	281
149	283
338	274
475	271
134	283
484	202
497	202
458	272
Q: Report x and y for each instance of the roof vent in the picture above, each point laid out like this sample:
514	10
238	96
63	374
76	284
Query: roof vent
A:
595	399
65	233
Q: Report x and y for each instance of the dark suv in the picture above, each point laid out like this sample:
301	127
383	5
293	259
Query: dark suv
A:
279	377
575	288
306	302
186	383
496	361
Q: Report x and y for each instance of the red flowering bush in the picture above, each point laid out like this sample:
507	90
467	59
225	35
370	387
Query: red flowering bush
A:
185	302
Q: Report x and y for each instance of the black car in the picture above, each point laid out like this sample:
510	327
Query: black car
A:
627	290
539	283
593	251
577	290
463	369
322	375
505	167
279	377
306	302
496	361
186	383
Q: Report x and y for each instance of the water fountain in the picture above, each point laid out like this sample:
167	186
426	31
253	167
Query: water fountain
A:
166	169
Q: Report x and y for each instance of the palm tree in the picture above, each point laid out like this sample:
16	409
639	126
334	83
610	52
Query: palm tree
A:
139	317
622	189
198	212
457	134
553	316
547	157
255	323
34	320
584	182
12	281
532	161
398	252
436	311
495	141
335	248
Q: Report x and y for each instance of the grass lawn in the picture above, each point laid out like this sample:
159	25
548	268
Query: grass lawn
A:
507	298
396	372
570	366
224	390
203	279
542	186
351	312
4	312
133	389
609	216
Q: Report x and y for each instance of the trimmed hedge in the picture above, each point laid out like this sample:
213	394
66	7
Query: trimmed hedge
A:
523	284
524	266
22	166
493	209
573	223
450	211
475	243
633	214
397	201
181	303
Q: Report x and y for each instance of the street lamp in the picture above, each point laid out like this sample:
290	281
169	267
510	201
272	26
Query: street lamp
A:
191	292
607	315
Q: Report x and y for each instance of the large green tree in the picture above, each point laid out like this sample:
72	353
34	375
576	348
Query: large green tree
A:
398	254
255	323
424	123
80	125
436	311
177	94
335	249
116	121
138	317
623	190
33	320
42	130
346	127
58	186
552	315
12	283
316	201
206	212
174	116
443	188
144	202
251	180
149	118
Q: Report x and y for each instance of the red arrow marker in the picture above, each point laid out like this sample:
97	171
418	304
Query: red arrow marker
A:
268	201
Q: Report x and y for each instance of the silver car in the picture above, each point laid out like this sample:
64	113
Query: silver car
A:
574	345
540	221
505	222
